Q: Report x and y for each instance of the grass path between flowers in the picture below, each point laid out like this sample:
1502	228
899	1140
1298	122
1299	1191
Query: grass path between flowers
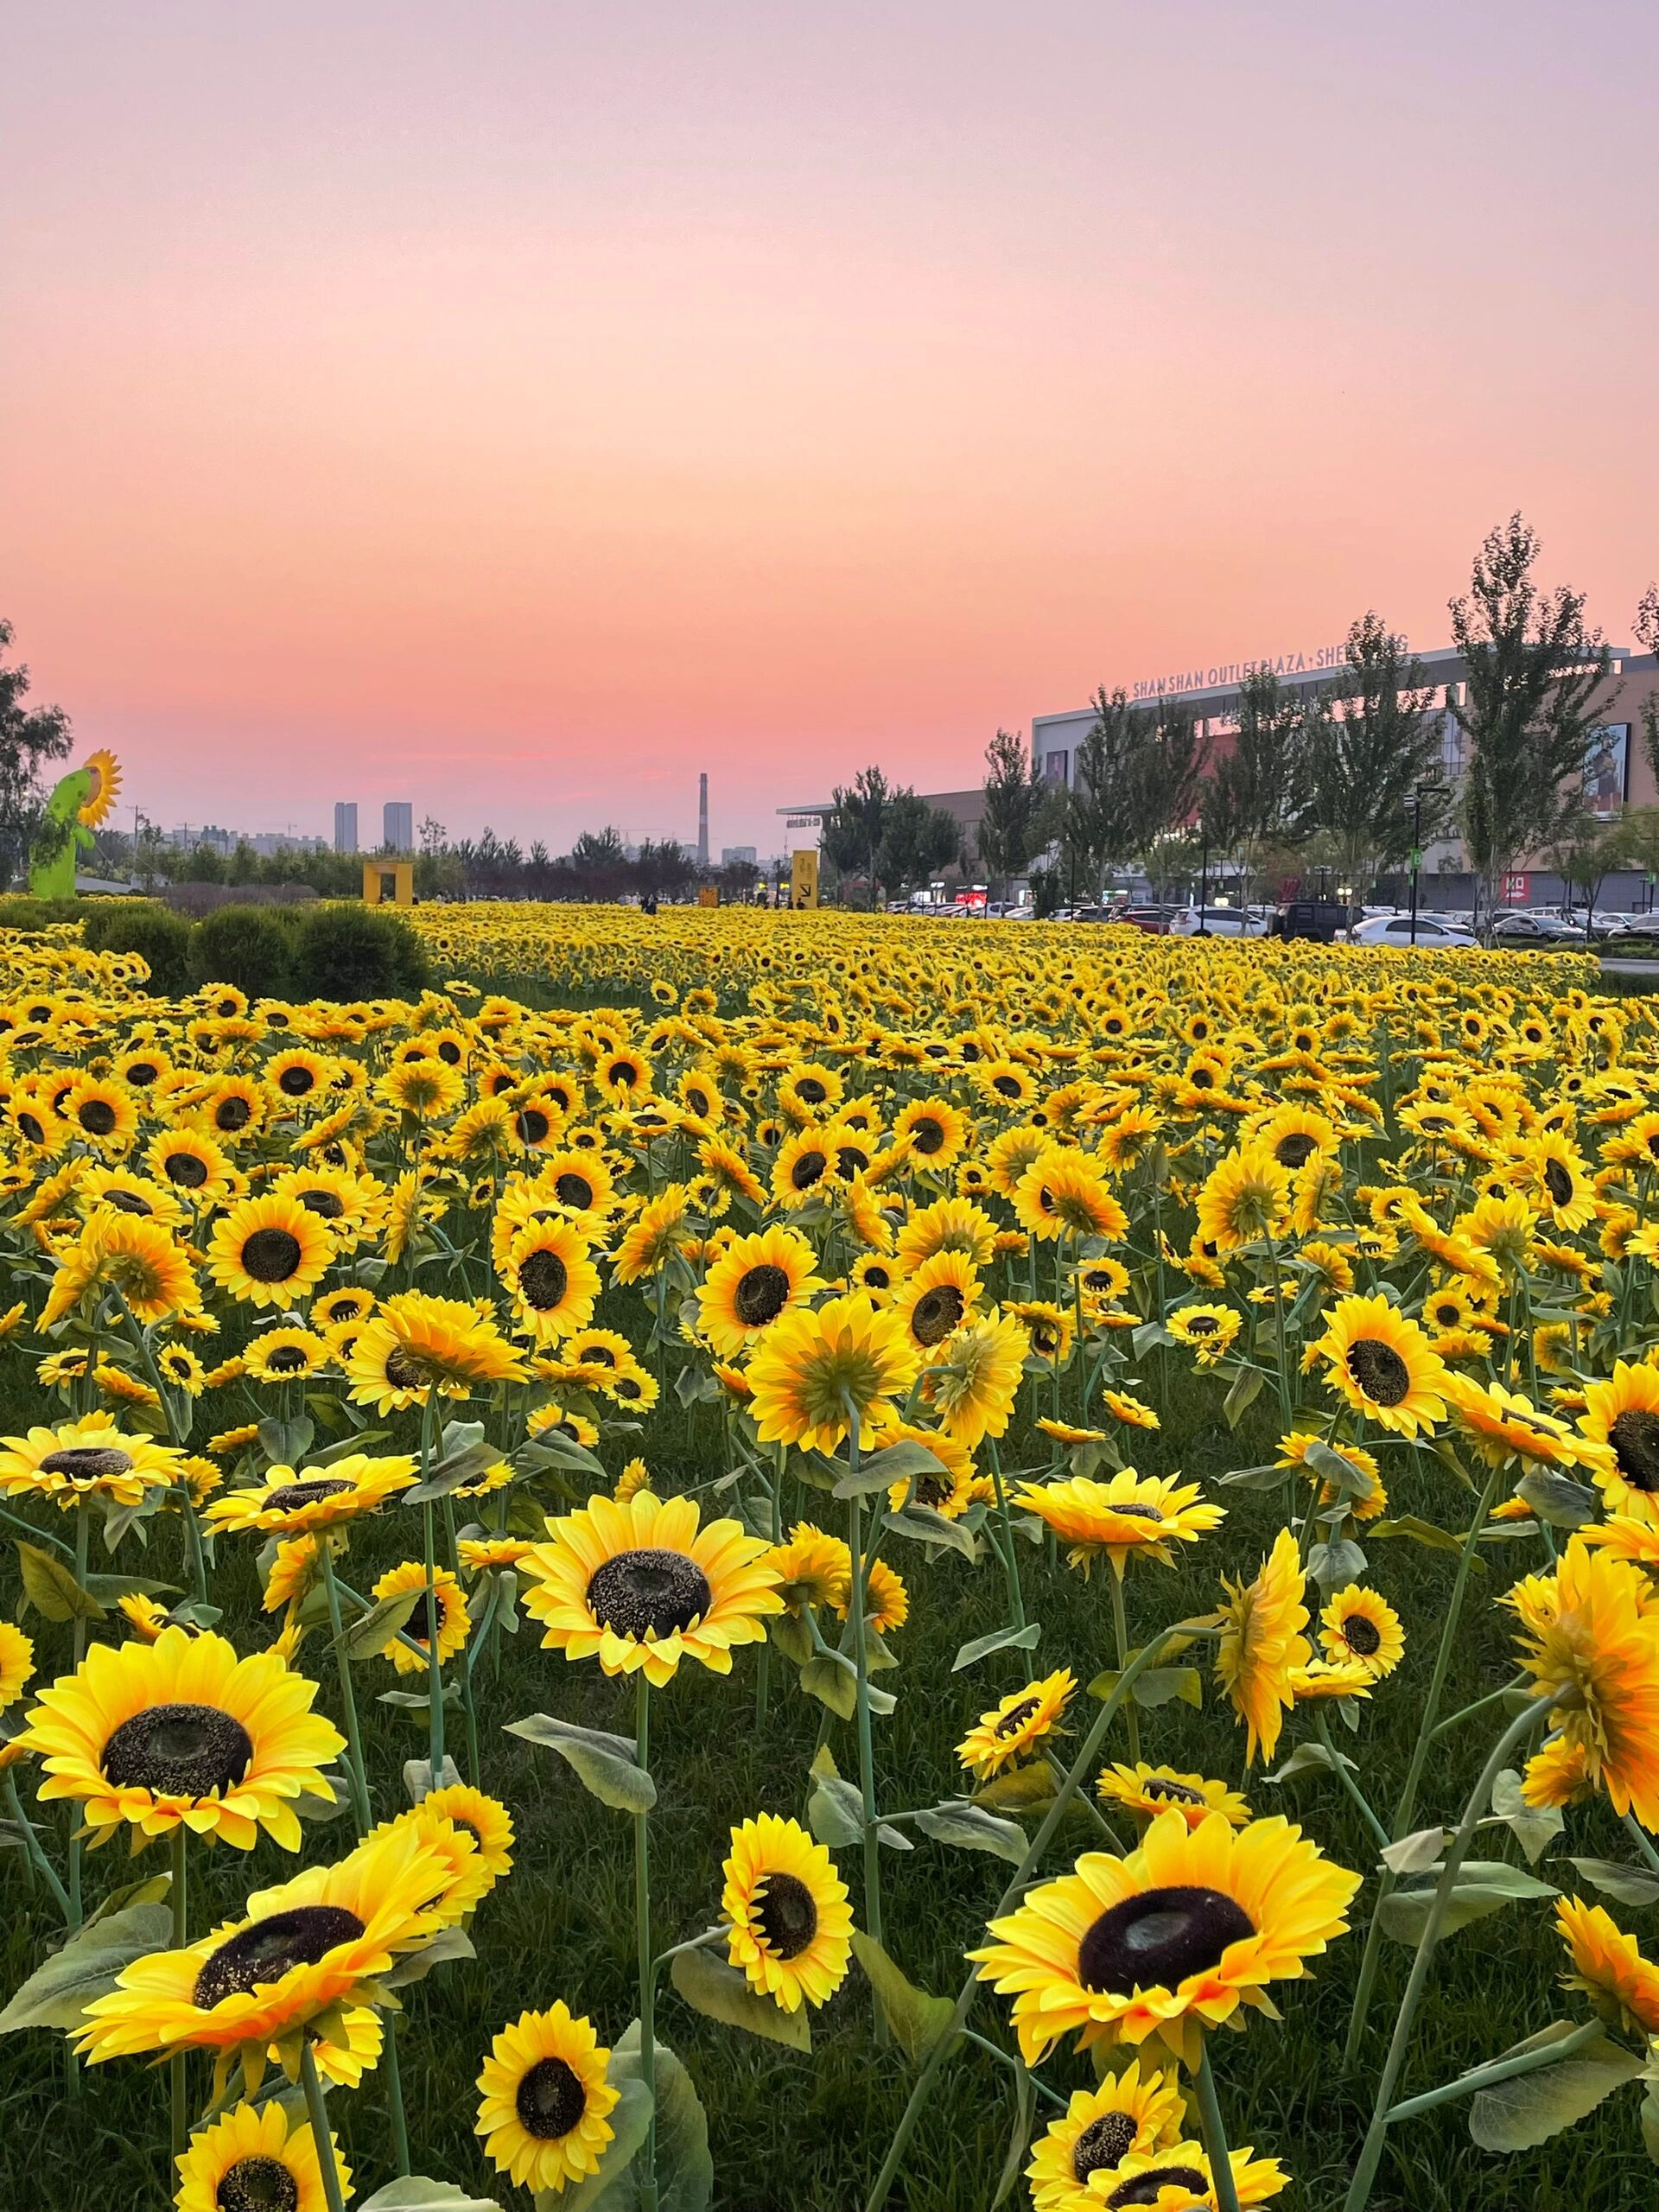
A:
808	2133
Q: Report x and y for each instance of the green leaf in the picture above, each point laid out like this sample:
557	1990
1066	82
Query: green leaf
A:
827	1679
415	1966
155	1891
834	1812
685	2171
285	1443
1020	1789
416	2193
1155	1687
1248	1386
371	1632
109	1589
1414	1854
916	2020
551	1450
1334	1564
970	1827
1309	1758
899	1463
53	1591
1025	2098
468	1464
1332	1467
1254	1479
1420	1532
721	1992
1531	2107
57	1992
1484	1886
605	1765
791	1636
1631	1885
417	1777
363	1440
1535	1828
629	2119
1564	1504
1001	1639
924	1525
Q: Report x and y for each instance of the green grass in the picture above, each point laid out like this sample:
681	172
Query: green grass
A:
808	2133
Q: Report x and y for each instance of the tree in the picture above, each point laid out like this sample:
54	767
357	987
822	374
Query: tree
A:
1371	741
1586	849
29	738
1646	631
917	841
1165	784
853	829
1019	811
1260	793
432	837
1535	680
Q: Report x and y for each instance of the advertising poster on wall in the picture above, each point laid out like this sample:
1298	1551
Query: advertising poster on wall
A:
1606	769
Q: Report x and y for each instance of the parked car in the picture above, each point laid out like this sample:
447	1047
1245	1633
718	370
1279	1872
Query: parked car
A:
1220	921
1153	920
1432	929
1524	925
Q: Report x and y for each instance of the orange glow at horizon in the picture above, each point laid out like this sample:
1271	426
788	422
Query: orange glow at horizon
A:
520	428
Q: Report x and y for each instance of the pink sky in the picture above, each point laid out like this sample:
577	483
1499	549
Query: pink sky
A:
516	409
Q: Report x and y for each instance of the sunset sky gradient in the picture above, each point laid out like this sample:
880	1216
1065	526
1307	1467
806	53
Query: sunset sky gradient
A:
516	409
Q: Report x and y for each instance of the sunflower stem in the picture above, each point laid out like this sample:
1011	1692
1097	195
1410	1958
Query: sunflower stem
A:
1468	1711
1121	1629
34	1848
1006	2058
347	1694
1214	2135
861	1601
180	1901
434	1658
317	2113
1371	2154
1502	2070
1641	1843
642	1931
395	2094
468	1710
83	1538
1010	1562
1379	1835
1086	1756
37	1536
1407	1806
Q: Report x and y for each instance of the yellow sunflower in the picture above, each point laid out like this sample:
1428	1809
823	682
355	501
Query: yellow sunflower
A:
1129	2114
813	1568
1609	1966
316	1498
1360	1626
813	1362
1064	1193
789	1926
414	1344
1210	1330
270	1251
1016	1726
16	1664
182	1732
1622	1414
1261	1643
1151	1791
936	1299
258	2158
1591	1642
1128	1514
1169	1940
103	773
454	1624
544	2099
639	1586
86	1459
756	1281
553	1281
1383	1364
973	1382
1245	1198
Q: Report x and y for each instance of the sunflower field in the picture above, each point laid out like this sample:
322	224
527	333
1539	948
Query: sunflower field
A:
766	1561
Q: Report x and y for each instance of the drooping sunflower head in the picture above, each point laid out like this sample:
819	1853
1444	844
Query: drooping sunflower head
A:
1017	1725
1150	1791
640	1586
1262	1645
814	1568
313	1498
789	1924
1170	1941
543	2097
1610	1968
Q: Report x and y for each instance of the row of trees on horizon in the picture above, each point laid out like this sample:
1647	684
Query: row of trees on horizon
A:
1298	784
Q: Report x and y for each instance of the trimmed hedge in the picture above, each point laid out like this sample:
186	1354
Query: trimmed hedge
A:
140	926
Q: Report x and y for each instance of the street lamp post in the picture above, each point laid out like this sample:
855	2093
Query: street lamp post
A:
1419	793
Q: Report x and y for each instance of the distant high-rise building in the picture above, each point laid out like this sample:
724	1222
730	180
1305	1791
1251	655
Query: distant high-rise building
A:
345	825
399	832
703	820
737	855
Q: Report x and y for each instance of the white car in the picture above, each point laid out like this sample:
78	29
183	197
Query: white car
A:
1432	929
1220	921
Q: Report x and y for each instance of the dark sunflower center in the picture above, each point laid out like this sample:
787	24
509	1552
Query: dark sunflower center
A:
1635	1438
877	1277
936	1314
648	1592
550	2100
1017	1715
1202	1325
626	1073
1294	1150
1145	2189
328	1205
97	1117
1102	2145
87	1463
1558	1182
1139	1512
572	1190
1379	1370
761	1295
266	1951
188	1751
271	1254
256	2185
233	1114
544	1278
404	1373
128	1202
1361	1635
787	1914
419	1624
1167	1792
287	1359
1203	1079
294	1083
141	1072
927	1135
850	1161
1158	1938
933	1489
292	1496
811	1090
533	1125
187	1171
32	1126
808	1170
1006	1086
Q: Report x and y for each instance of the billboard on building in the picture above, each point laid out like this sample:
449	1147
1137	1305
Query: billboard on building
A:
1608	769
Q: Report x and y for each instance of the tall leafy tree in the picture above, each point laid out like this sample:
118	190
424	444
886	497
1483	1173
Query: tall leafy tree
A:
1646	631
1166	785
1537	683
1372	741
851	836
917	841
29	737
1016	824
1260	795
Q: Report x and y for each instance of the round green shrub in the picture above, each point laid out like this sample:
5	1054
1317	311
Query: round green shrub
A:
142	926
247	946
345	952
